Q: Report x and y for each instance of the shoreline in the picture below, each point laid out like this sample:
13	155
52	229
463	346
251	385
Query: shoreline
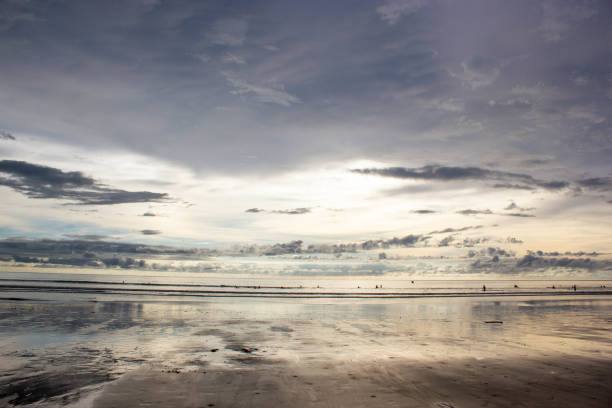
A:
382	294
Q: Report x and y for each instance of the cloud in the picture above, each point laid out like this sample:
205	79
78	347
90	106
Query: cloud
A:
519	215
14	12
150	232
149	214
471	242
230	58
514	206
492	252
477	72
584	114
262	93
293	247
295	211
450	230
566	253
534	162
4	135
254	210
446	241
532	261
393	10
510	186
559	17
88	237
456	173
470	211
47	247
596	183
423	211
513	240
37	181
230	32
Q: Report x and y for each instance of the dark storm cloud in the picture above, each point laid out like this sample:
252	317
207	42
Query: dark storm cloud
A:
37	181
254	210
150	232
4	135
457	173
294	211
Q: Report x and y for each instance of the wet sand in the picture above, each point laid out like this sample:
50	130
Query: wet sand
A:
546	352
465	383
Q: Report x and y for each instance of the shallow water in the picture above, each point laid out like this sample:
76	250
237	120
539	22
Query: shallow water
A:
64	336
57	352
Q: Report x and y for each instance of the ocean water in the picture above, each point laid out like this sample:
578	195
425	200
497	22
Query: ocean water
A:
66	336
57	283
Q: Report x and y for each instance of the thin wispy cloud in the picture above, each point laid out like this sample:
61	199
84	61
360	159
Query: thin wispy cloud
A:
261	93
453	230
560	17
229	32
393	10
523	215
477	72
294	211
471	211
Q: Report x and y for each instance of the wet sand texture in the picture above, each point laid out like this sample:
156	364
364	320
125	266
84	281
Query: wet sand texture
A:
441	353
466	383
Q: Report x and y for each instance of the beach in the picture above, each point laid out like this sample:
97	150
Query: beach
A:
458	351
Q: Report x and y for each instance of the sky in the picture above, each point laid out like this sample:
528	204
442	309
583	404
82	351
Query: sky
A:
212	124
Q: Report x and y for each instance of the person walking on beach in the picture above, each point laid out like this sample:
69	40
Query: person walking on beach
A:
484	288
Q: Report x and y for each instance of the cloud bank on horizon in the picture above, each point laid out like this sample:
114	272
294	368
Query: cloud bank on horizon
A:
205	123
